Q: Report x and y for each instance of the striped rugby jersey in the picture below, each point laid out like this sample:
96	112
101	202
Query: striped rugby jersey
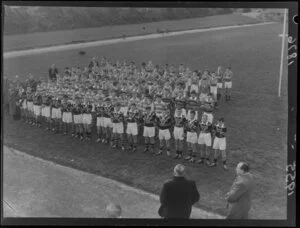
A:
159	107
192	103
180	102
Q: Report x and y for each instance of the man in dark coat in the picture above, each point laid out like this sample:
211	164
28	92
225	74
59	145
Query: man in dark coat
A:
239	196
178	196
53	71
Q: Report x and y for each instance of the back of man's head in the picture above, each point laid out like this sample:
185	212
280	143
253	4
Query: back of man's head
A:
179	170
113	210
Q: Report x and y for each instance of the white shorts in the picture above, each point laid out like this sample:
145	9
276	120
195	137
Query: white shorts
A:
214	90
53	113
219	144
191	137
77	119
164	134
228	85
188	117
209	116
124	110
58	114
30	106
178	133
107	122
37	110
67	117
220	85
86	118
149	132
204	138
132	129
100	121
118	128
46	112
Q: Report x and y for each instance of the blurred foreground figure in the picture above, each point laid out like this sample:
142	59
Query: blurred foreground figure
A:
240	193
178	195
113	211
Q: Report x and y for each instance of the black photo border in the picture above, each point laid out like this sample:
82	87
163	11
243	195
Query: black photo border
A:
292	7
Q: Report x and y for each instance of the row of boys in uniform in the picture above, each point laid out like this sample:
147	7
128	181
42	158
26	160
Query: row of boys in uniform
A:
111	116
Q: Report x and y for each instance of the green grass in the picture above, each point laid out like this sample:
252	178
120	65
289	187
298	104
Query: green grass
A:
43	39
256	118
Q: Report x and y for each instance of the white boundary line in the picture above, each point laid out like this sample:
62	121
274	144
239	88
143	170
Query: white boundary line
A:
65	47
110	181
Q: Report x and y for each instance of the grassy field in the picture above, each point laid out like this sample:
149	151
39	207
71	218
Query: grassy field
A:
256	118
34	40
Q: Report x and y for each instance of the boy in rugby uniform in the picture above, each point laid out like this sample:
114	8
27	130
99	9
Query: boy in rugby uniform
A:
46	107
30	107
132	118
37	110
228	83
191	137
56	115
67	118
192	104
208	107
149	119
23	102
204	140
77	116
219	76
180	102
178	133
219	144
118	127
107	124
100	121
124	103
213	85
87	120
164	123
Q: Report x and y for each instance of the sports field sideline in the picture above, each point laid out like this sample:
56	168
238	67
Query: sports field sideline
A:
255	117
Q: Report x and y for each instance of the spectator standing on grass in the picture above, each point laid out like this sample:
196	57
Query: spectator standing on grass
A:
178	196
53	71
113	211
239	196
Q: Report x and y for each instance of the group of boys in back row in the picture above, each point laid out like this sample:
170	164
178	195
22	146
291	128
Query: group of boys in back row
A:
117	113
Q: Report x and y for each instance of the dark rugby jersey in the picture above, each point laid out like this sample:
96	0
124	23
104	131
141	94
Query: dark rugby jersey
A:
205	127
117	117
132	116
220	130
192	125
164	122
108	110
180	102
99	111
30	97
180	121
87	109
149	119
77	110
